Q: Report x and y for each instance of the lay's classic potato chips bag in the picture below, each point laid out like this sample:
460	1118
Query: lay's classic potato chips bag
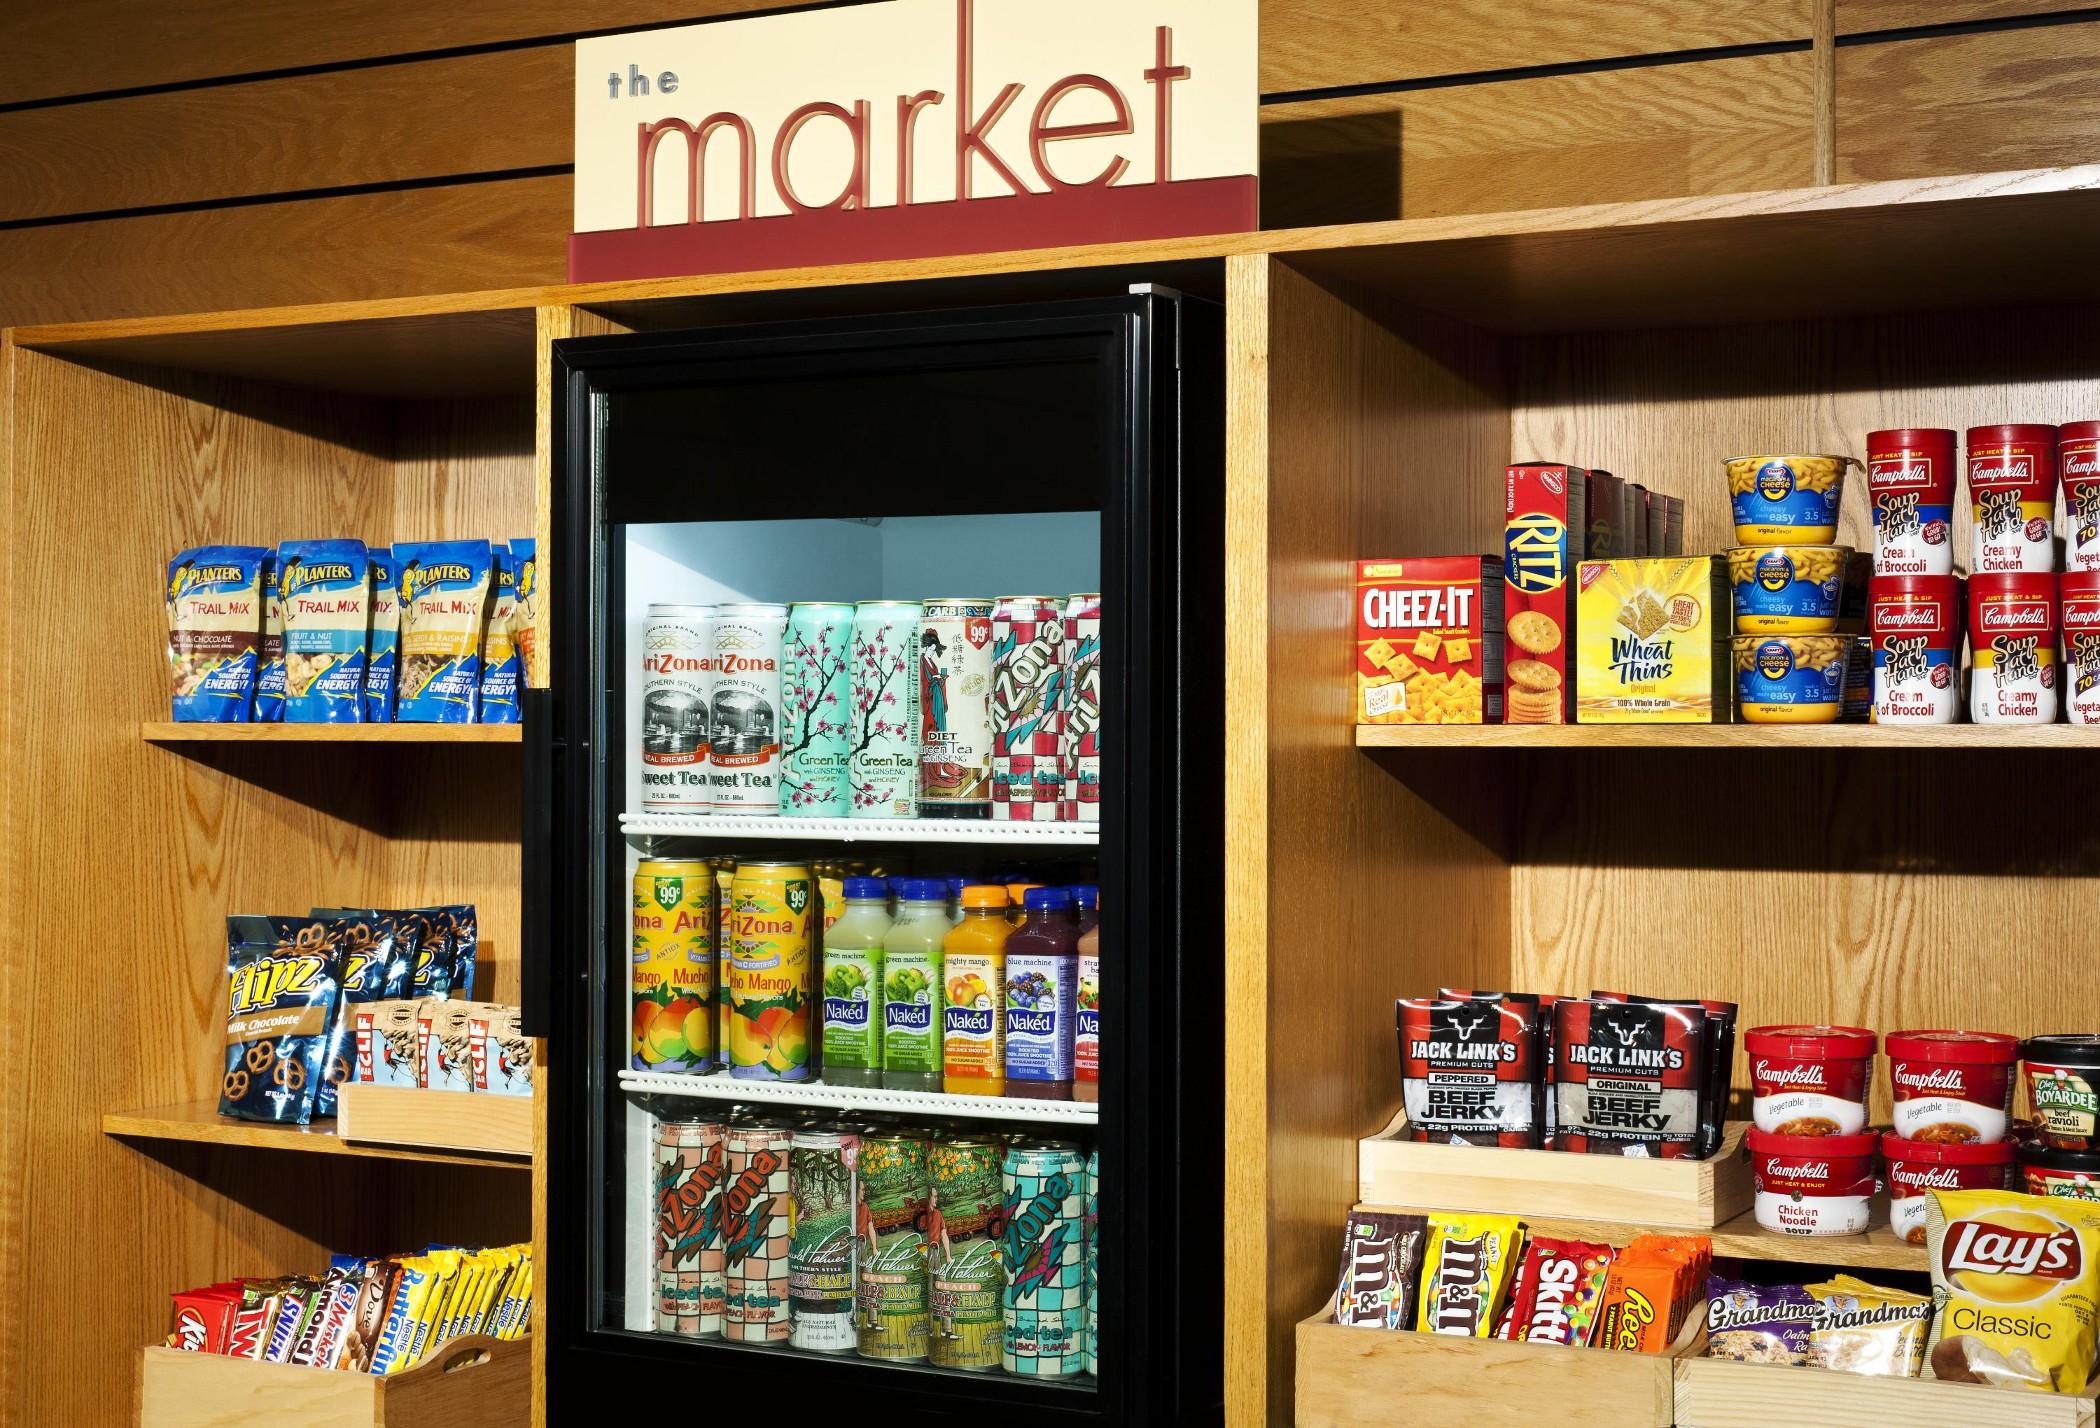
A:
2016	1282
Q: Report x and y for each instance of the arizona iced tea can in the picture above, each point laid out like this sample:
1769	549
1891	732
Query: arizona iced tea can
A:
896	1192
772	941
1028	709
745	708
673	973
822	1169
677	690
1044	1255
1082	737
690	1172
955	708
966	1328
1093	1262
882	736
815	697
756	1221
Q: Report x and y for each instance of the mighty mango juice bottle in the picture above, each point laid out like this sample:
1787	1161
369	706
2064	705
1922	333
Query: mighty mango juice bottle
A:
853	985
973	1036
911	987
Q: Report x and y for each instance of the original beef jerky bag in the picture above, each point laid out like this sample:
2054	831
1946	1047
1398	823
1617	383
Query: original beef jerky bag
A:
1630	1078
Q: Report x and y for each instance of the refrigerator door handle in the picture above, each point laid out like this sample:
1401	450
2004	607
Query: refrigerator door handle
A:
538	884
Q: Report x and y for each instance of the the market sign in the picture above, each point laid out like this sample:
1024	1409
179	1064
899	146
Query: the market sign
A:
911	128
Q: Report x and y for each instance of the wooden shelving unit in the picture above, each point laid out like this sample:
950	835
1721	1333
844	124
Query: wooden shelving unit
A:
166	732
201	1123
1977	737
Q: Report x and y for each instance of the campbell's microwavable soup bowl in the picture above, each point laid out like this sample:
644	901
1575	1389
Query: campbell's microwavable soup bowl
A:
1787	589
1783	500
1790	679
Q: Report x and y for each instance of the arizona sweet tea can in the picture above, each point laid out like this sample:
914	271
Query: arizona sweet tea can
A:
823	1167
815	695
673	975
745	709
772	938
967	1326
1082	734
677	690
1914	625
882	735
2012	648
1093	1262
896	1192
1028	709
955	708
690	1174
2012	488
757	1221
1044	1255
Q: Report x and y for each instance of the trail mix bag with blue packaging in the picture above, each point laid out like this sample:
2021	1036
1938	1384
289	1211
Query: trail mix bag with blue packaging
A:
326	599
524	553
444	613
283	977
269	672
500	665
364	940
386	635
215	622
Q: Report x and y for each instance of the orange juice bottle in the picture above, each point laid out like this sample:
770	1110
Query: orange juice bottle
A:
973	1023
1017	900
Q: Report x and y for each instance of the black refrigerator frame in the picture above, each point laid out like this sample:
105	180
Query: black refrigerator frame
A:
1160	360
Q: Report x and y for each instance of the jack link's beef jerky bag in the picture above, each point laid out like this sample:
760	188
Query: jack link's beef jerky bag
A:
1470	1069
1631	1078
1720	1062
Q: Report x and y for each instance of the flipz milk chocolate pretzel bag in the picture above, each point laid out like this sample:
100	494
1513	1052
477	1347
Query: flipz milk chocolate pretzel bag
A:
283	976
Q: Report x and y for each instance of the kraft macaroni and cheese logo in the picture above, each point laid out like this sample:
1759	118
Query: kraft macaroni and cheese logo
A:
1775	480
300	576
1535	553
1774	660
260	984
1775	572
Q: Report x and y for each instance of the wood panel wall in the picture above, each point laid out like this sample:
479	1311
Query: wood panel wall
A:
222	153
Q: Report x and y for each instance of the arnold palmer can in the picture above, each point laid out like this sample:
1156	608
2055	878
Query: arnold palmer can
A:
677	686
955	708
1028	709
745	708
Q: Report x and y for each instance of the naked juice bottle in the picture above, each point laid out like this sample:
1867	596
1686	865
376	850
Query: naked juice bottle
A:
973	1039
852	1043
1042	990
1086	1025
911	987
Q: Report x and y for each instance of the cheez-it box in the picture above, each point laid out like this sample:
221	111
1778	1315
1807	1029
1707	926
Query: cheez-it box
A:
1541	543
1428	636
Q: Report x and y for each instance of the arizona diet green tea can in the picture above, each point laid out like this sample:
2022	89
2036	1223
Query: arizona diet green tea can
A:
755	1224
963	1254
822	1169
814	696
955	708
690	1171
882	733
1044	1255
896	1191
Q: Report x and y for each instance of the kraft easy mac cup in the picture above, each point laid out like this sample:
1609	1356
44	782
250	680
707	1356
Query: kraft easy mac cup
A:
1910	478
1790	679
1787	589
1781	499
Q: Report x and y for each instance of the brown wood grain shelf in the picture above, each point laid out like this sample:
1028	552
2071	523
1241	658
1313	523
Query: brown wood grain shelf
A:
1743	1238
163	732
1726	736
200	1122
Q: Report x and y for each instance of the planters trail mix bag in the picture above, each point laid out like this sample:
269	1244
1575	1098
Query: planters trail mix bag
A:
500	663
386	635
524	552
215	622
444	611
326	599
283	976
269	673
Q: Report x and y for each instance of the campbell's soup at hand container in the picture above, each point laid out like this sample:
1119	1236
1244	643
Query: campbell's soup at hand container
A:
1812	1185
2081	645
2012	491
2080	456
2012	648
1910	477
1914	624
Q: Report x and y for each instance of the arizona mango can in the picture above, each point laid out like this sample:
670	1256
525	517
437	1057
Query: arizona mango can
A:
772	910
673	973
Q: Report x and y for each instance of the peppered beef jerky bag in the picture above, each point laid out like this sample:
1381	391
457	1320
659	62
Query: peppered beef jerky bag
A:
283	976
1631	1078
1720	1062
1381	1269
1469	1069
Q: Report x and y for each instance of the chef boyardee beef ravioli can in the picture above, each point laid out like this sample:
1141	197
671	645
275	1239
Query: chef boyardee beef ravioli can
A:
1469	1069
1630	1077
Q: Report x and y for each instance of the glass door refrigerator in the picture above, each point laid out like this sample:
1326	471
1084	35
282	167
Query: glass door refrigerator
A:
871	880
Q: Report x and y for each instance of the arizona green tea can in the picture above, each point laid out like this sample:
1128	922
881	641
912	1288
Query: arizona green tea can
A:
1093	1262
744	752
955	708
1044	1255
690	1172
755	1234
967	1328
896	1191
822	1168
815	694
882	763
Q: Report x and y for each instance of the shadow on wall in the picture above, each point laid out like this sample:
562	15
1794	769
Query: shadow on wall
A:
1340	170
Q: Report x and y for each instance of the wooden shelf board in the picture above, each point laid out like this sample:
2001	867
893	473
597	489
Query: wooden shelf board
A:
163	732
200	1122
1726	736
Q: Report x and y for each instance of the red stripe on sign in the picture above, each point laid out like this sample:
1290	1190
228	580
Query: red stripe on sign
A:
1062	219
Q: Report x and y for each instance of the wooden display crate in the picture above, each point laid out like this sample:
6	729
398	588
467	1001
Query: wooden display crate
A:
1349	1376
470	1383
451	1120
1627	1190
1719	1393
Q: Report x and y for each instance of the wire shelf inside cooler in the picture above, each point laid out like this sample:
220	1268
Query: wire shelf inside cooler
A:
723	1087
858	830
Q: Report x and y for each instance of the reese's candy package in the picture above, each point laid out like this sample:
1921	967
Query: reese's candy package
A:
1649	1290
1466	1270
1381	1269
1557	1290
1630	1078
269	669
1757	1323
1470	1069
444	613
385	642
283	977
500	664
215	622
325	593
365	943
1858	1327
2016	1279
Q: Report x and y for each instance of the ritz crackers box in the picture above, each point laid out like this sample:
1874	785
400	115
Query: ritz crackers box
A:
1428	640
1541	544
